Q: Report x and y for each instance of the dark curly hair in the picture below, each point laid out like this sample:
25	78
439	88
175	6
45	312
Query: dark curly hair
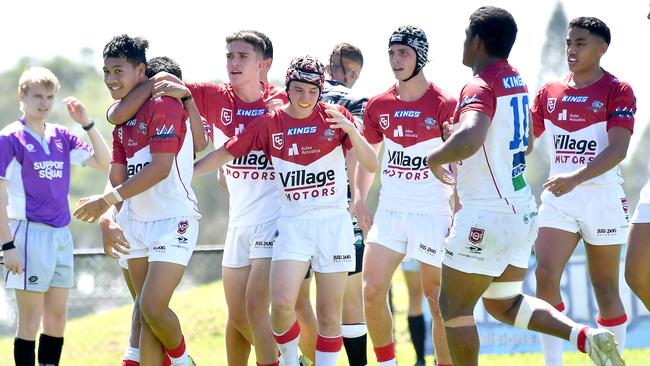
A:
595	26
133	49
496	28
163	63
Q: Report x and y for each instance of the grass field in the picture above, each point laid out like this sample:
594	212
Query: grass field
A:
99	339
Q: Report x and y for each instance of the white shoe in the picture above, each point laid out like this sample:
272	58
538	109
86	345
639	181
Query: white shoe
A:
602	348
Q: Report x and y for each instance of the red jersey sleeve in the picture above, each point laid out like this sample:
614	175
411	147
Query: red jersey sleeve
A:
477	97
447	112
621	107
371	130
119	154
253	138
537	113
166	126
344	138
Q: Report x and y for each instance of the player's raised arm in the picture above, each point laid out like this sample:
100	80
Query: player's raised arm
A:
361	148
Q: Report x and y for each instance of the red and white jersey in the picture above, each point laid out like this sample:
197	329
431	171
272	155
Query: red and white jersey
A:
160	126
578	120
493	178
409	131
250	178
308	156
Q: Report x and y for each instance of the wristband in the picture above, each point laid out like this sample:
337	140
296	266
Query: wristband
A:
7	246
89	126
117	195
185	99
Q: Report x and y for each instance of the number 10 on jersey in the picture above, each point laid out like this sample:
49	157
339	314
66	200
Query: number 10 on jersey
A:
519	105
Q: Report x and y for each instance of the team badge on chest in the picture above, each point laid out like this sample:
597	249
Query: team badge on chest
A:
550	104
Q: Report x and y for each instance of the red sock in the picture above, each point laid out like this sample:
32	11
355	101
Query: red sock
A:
130	363
582	338
276	363
385	353
178	351
166	360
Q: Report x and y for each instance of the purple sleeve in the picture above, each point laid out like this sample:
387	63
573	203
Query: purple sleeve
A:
79	150
7	155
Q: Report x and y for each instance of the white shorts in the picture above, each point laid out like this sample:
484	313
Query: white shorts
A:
642	212
326	240
416	236
47	255
486	242
170	240
598	213
249	242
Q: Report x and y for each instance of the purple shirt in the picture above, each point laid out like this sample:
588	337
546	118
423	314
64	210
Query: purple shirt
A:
38	171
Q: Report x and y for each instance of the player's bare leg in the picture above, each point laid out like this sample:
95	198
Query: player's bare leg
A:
330	288
238	333
603	262
379	264
258	300
637	270
417	327
553	248
135	316
307	320
354	322
430	276
150	346
160	283
286	279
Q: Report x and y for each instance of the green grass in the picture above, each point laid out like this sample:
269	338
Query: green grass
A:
99	339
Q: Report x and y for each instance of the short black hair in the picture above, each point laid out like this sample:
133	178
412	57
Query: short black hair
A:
268	45
134	49
248	37
496	28
348	51
595	26
163	63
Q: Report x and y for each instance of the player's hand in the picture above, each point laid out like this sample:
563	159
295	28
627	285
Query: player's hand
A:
113	238
166	76
170	89
447	130
338	120
363	215
561	184
77	111
12	261
443	175
89	209
274	104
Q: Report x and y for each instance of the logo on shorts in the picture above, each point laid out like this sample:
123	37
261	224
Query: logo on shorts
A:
159	248
278	140
33	279
427	249
182	240
384	120
476	235
263	244
606	231
550	104
342	258
182	227
226	116
624	205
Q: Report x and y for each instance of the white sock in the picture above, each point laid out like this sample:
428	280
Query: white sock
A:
618	326
552	346
327	350
288	345
180	361
392	362
132	354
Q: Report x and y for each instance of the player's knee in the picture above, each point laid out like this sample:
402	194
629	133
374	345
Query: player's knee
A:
547	277
605	290
256	306
151	311
282	305
373	293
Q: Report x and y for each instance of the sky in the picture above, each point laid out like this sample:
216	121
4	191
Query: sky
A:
193	32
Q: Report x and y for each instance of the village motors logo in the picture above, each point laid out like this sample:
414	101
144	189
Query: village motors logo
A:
226	116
